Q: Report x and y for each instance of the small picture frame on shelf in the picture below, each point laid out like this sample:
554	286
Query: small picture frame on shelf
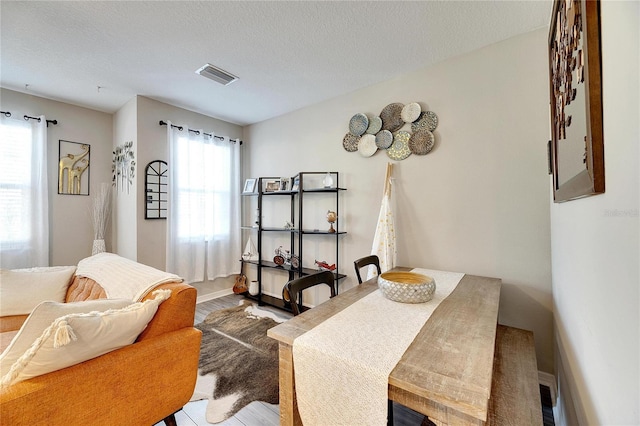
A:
272	185
249	186
296	184
284	184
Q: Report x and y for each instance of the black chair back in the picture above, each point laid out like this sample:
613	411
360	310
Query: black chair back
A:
295	287
366	261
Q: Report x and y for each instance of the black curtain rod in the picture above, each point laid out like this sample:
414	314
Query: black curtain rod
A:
197	132
27	118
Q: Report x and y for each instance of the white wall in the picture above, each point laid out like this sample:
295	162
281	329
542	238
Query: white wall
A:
71	233
477	204
125	209
595	252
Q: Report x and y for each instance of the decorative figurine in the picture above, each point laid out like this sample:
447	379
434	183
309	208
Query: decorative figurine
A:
331	218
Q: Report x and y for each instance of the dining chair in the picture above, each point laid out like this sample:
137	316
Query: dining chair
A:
295	287
359	264
365	261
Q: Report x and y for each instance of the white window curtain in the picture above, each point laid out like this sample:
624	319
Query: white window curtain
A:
204	205
24	197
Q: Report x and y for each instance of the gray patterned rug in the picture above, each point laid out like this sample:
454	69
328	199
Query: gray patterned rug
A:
238	362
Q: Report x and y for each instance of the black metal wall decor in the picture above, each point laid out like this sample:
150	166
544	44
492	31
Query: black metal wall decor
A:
156	182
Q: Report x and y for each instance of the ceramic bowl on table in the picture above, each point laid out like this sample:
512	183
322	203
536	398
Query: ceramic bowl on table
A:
407	287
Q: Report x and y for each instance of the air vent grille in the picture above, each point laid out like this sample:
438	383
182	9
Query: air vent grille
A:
216	74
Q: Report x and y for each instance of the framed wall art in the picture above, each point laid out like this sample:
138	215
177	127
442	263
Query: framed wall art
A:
249	186
73	167
575	74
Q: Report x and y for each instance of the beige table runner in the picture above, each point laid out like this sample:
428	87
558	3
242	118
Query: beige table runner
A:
342	366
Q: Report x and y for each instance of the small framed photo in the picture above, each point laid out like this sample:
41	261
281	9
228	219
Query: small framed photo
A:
284	184
272	185
296	184
249	186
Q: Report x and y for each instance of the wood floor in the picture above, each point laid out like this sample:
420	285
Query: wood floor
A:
260	413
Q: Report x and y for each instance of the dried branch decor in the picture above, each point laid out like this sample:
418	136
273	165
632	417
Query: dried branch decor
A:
100	213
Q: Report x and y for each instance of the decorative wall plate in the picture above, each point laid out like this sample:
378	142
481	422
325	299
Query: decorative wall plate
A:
427	120
391	119
384	139
358	124
421	142
367	145
375	124
400	148
410	112
350	142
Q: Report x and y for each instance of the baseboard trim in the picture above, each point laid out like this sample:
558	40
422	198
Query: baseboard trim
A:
214	295
548	380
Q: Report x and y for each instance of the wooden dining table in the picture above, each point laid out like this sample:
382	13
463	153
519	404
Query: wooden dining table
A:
446	371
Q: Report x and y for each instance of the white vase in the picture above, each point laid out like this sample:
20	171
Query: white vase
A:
253	288
328	180
98	247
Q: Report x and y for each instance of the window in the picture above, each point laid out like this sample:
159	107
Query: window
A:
24	216
204	205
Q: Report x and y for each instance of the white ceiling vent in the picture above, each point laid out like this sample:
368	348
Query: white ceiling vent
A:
216	74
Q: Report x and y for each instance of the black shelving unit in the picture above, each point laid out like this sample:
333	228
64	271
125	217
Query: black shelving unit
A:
297	233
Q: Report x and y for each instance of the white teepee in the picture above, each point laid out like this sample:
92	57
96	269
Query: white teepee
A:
384	240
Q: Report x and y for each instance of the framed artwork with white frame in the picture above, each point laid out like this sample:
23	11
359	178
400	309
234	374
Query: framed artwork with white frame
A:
249	186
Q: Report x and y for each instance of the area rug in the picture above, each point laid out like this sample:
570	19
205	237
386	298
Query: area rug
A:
238	362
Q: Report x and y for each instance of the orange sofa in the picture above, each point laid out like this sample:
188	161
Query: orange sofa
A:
139	384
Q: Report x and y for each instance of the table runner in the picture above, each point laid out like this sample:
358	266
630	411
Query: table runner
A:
342	366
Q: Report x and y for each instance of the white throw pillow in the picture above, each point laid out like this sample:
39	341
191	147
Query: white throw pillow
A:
75	338
42	317
21	290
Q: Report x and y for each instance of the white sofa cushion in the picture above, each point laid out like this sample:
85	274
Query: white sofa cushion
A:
42	317
21	290
75	338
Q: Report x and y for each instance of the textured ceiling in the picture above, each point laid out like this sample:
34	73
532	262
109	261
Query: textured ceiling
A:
287	54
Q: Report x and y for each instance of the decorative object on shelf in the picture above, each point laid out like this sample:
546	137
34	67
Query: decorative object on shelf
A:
123	167
406	287
294	261
385	131
324	266
253	288
350	142
391	117
99	214
156	184
367	146
73	162
399	149
421	142
272	185
331	218
240	285
328	180
257	221
358	124
284	184
284	257
375	124
296	184
576	100
410	112
249	186
250	252
288	225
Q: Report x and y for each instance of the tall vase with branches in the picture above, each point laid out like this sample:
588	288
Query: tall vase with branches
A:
100	213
